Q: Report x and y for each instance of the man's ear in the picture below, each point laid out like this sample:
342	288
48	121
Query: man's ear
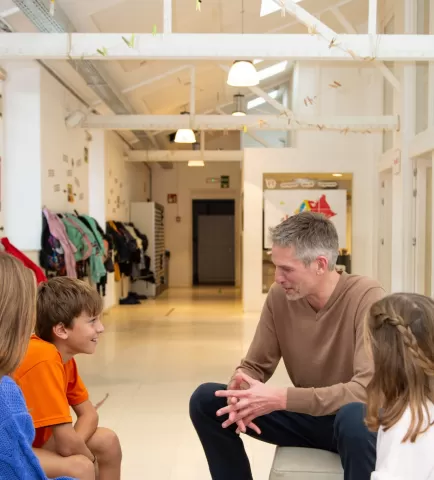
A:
322	265
60	331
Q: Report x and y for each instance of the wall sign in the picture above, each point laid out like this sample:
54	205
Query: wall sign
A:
172	198
224	181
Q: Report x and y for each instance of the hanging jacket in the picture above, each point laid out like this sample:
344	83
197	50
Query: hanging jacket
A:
9	248
80	238
81	233
57	229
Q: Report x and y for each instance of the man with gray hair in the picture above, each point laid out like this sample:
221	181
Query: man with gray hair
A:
313	319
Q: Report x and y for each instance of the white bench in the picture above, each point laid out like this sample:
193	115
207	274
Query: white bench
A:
305	464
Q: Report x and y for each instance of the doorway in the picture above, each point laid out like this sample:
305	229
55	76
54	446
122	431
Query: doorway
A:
213	242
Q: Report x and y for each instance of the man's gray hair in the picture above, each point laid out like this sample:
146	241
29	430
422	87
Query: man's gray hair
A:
311	235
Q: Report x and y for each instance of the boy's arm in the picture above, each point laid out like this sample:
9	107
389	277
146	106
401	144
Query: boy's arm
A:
68	442
87	420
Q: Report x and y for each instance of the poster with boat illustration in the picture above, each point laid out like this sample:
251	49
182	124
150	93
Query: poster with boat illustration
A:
281	204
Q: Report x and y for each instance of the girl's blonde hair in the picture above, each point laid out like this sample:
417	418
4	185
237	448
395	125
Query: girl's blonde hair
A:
400	336
17	311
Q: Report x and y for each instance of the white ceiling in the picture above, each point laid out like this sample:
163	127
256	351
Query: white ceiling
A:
171	94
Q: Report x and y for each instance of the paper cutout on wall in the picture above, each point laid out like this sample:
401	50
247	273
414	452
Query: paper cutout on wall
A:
77	181
72	162
320	206
70	192
65	158
81	196
116	180
51	173
121	185
57	187
69	173
114	210
280	204
79	162
112	191
108	201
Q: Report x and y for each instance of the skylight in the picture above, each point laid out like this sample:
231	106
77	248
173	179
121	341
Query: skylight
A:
260	101
269	6
273	70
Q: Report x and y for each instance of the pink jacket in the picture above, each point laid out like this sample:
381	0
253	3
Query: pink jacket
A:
57	229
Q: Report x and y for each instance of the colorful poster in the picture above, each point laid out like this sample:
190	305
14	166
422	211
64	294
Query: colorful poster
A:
281	204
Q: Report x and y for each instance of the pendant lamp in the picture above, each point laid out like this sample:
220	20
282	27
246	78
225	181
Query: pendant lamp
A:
243	74
240	109
185	135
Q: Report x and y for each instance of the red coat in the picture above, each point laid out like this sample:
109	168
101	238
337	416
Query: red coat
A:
9	248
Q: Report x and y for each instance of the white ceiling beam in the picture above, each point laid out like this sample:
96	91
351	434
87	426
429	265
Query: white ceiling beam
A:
8	12
251	122
317	14
372	17
387	74
58	46
422	143
342	19
261	93
185	155
258	139
167	16
151	80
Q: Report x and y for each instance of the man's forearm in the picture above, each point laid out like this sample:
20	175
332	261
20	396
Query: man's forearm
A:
86	426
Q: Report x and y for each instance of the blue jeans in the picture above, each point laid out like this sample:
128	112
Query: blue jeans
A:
344	433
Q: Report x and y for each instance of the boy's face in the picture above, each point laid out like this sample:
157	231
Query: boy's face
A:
84	334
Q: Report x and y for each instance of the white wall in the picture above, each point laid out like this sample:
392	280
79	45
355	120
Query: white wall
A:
190	183
125	182
319	151
62	150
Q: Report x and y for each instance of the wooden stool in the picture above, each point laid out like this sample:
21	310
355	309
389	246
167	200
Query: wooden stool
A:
305	464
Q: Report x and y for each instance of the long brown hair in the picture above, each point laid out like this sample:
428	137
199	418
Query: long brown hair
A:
17	311
400	335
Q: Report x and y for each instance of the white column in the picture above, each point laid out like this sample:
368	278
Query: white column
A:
97	174
403	227
22	155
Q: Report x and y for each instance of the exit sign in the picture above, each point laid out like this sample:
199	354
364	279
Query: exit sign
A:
224	181
212	180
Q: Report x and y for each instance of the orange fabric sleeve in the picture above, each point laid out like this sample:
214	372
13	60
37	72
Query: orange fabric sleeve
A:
44	390
76	391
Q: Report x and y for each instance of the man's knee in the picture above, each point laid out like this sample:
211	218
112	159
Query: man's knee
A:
105	443
80	467
203	400
350	423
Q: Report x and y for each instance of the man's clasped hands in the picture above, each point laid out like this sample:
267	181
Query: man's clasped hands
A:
249	399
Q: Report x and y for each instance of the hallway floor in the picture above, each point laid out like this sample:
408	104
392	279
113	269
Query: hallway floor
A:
150	359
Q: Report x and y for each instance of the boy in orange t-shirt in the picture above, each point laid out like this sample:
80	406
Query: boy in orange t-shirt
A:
67	323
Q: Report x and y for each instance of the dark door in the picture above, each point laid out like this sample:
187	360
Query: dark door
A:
213	242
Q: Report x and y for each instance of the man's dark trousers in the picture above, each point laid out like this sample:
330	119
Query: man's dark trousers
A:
344	433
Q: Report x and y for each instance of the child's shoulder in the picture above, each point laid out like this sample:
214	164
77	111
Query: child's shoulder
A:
38	351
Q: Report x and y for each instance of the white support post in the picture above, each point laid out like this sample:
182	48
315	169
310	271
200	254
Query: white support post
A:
167	16
403	233
431	72
372	19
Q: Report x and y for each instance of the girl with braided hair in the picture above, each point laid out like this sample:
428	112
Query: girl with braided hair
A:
400	337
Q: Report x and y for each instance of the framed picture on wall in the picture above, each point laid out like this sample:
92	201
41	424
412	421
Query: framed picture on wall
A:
172	198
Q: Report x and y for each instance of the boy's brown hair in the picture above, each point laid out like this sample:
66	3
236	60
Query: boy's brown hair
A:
61	300
400	335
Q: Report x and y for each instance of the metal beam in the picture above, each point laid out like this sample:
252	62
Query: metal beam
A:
364	124
185	155
58	46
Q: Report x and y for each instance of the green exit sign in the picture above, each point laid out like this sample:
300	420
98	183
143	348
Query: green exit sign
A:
224	181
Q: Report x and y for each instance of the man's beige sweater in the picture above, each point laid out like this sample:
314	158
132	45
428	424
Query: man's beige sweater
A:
323	352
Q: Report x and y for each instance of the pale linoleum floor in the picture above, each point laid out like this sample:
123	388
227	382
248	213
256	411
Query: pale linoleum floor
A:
150	359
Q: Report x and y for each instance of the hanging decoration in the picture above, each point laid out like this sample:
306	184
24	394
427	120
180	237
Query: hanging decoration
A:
198	5
102	51
154	30
52	7
129	42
